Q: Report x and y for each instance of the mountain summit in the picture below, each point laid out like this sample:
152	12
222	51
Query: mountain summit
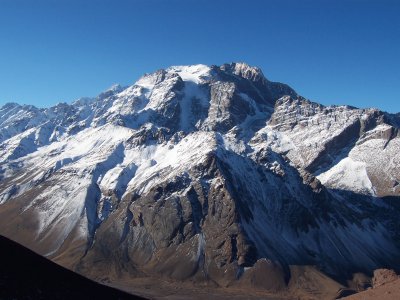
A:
206	174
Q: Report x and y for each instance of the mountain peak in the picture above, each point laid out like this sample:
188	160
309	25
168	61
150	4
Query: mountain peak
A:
244	70
114	88
194	73
9	105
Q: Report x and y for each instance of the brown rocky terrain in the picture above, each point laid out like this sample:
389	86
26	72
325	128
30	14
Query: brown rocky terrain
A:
385	286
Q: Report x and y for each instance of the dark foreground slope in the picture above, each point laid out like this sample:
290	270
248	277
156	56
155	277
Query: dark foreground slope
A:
26	275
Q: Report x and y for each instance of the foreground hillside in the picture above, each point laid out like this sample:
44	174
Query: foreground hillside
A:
26	275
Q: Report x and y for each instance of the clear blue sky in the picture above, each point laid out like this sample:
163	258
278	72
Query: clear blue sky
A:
333	52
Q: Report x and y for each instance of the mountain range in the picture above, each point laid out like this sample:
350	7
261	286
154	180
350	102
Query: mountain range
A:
211	175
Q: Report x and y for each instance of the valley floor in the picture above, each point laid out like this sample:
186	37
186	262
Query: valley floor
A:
181	291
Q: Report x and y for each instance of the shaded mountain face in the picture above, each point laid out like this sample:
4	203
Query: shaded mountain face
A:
201	173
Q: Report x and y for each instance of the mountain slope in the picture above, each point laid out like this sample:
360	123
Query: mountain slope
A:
197	173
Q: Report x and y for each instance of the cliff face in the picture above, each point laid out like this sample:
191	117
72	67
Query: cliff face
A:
202	173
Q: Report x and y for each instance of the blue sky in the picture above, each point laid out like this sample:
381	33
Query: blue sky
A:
332	52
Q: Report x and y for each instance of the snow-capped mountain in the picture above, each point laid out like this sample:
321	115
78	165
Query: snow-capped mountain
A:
199	173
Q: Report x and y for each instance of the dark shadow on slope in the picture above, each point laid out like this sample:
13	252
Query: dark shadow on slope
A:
94	193
371	212
340	146
26	275
317	209
336	149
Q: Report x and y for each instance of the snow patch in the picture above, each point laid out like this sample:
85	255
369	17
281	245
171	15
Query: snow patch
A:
350	175
194	73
